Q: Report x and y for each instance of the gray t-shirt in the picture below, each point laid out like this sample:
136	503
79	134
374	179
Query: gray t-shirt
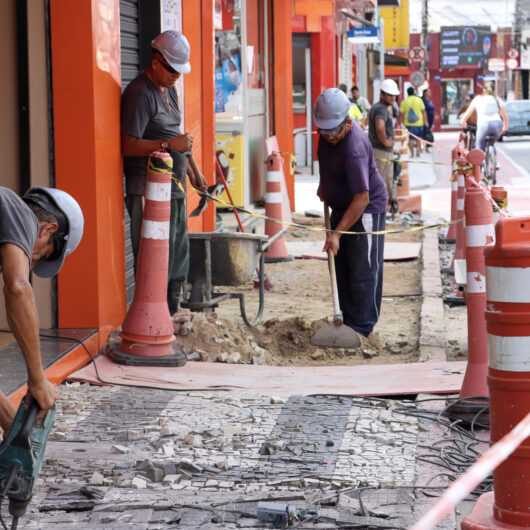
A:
18	224
145	114
380	110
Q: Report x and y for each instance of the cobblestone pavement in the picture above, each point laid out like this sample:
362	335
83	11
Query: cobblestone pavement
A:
123	458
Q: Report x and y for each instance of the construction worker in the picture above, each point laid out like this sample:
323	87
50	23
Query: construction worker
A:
381	131
414	118
37	232
352	186
151	119
355	112
360	101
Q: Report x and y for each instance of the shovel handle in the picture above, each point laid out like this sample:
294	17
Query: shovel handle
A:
337	313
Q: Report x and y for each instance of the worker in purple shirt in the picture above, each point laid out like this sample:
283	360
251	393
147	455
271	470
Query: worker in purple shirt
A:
356	193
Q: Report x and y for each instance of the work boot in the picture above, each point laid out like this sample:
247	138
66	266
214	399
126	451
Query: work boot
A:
174	295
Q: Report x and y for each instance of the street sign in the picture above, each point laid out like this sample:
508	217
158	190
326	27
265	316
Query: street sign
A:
513	53
512	63
496	65
417	78
364	35
416	54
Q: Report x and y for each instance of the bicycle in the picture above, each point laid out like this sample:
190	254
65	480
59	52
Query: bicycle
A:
490	162
471	137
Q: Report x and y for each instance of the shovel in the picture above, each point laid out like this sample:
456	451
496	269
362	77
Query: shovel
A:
334	334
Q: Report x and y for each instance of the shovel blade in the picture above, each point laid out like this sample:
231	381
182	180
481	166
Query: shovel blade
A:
333	336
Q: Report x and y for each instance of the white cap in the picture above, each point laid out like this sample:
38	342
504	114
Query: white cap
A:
331	108
175	48
389	86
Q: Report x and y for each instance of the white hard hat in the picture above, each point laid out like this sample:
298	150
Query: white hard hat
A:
175	48
71	225
331	108
389	86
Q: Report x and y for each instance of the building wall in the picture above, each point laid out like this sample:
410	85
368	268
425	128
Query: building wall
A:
9	96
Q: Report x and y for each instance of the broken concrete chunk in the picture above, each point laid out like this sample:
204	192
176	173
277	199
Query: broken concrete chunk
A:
139	483
172	479
153	472
120	449
97	479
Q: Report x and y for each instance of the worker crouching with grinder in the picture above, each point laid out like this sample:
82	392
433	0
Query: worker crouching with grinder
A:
352	186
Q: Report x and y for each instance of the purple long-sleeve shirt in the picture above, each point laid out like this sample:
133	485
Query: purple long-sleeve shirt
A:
348	168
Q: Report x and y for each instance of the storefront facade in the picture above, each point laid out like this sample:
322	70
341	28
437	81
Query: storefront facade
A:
61	122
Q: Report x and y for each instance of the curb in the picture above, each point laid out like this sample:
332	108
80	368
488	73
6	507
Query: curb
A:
432	347
61	369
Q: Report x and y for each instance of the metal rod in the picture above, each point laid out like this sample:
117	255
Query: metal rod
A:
221	175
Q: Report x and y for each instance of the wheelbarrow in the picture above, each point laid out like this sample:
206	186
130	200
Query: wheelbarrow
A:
226	259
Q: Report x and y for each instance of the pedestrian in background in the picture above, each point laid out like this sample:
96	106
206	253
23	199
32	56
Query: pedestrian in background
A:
414	118
151	121
381	132
359	100
352	186
430	111
355	112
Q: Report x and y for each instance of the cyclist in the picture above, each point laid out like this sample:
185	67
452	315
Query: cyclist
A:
492	119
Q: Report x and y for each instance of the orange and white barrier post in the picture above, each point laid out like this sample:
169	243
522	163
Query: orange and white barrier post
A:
274	206
499	195
459	258
479	234
508	324
147	337
450	237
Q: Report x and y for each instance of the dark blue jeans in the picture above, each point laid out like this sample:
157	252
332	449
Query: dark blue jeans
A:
359	265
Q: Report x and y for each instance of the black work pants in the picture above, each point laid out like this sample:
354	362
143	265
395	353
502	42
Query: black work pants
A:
359	264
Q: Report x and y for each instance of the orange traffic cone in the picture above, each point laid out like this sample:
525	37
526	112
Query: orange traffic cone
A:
508	324
274	200
459	259
500	197
147	337
480	234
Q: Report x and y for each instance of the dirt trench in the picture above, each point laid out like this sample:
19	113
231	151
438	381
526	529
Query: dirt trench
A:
299	300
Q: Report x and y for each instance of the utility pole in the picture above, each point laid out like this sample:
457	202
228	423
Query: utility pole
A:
517	29
425	35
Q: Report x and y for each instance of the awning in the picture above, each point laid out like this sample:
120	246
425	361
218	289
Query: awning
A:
397	71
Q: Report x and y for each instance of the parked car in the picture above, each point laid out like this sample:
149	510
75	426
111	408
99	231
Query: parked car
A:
519	116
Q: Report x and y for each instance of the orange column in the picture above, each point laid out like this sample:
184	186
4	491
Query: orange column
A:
208	104
86	116
283	85
199	116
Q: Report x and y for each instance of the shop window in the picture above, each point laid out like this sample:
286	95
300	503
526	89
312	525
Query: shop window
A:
455	94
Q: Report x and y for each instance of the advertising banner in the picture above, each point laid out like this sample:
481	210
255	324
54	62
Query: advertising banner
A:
465	46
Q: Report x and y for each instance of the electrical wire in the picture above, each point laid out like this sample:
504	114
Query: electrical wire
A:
456	451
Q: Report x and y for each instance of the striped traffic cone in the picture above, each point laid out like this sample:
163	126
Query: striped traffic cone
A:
499	196
508	326
459	259
274	199
147	337
480	234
